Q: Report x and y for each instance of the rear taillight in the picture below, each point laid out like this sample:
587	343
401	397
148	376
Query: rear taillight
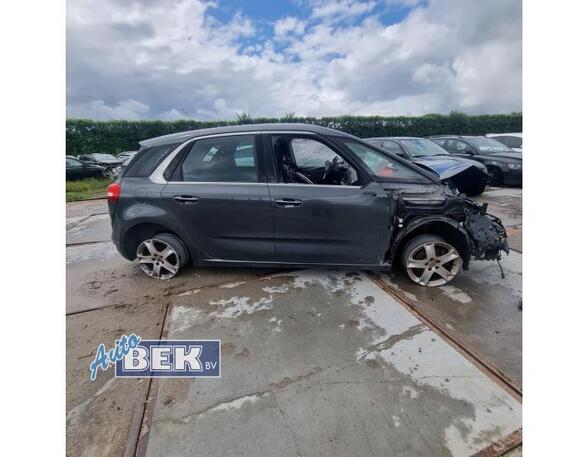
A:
113	192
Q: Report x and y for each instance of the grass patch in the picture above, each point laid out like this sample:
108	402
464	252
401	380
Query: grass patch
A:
85	189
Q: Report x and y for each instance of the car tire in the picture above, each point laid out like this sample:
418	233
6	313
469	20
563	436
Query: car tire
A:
494	176
162	256
431	261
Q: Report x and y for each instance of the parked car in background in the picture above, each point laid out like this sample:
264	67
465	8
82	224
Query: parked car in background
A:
292	195
504	165
512	140
467	175
76	169
126	155
111	164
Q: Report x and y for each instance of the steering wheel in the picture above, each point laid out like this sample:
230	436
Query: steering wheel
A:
330	168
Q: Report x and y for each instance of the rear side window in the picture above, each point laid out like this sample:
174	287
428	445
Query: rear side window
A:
147	160
222	159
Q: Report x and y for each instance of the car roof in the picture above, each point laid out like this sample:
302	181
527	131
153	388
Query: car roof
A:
396	138
490	135
465	137
180	137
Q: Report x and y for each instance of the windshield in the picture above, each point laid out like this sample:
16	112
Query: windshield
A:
421	147
488	144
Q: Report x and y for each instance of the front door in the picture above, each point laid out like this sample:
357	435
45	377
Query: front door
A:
324	211
219	193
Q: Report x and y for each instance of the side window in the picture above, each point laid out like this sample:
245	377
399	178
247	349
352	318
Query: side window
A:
383	166
71	162
222	159
308	161
393	147
456	146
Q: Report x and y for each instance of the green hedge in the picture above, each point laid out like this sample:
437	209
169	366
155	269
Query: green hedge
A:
84	136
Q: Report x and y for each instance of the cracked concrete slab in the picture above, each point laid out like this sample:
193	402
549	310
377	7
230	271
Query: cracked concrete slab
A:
323	363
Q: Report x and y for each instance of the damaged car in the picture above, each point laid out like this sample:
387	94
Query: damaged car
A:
293	195
468	176
112	165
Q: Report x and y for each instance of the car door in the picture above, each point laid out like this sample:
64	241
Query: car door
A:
322	223
218	194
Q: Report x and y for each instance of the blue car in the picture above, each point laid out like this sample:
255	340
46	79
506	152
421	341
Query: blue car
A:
468	176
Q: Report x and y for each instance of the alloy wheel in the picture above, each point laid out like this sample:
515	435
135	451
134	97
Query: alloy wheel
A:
158	259
433	263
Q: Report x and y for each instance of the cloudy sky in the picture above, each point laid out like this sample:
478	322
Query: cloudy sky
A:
165	59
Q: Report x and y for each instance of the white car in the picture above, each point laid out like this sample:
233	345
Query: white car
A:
512	140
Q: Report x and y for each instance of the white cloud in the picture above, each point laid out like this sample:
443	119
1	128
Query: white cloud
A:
97	109
338	9
289	25
158	60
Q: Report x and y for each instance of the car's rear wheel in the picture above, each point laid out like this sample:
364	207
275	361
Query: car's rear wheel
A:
431	261
162	256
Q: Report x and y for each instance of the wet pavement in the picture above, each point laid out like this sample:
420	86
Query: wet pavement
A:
323	363
336	358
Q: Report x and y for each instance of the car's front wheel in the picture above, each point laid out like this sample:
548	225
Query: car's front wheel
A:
431	261
162	256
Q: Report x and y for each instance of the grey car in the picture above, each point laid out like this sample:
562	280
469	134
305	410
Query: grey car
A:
292	195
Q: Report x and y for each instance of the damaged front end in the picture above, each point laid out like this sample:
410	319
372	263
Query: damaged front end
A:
488	235
440	210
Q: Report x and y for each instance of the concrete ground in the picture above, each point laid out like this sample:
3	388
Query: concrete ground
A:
409	371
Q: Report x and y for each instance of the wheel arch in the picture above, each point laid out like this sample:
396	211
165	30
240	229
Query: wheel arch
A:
447	228
142	231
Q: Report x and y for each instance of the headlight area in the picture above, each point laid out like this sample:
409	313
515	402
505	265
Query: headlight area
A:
514	165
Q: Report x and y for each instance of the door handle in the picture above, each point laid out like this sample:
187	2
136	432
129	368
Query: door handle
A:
287	202
186	199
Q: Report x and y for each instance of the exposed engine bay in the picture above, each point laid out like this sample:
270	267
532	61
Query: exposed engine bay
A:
424	206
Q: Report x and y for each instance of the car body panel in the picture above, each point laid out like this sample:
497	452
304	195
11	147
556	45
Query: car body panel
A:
229	221
331	224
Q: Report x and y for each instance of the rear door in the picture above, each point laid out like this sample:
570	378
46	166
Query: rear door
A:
325	223
219	195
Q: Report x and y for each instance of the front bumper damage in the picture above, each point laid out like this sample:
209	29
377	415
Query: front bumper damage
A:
441	210
487	234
